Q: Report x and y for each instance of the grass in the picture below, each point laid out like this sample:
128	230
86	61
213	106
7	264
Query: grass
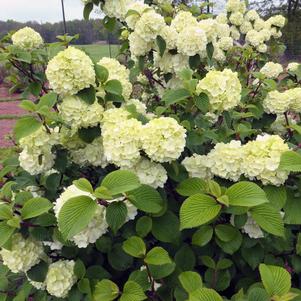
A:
96	51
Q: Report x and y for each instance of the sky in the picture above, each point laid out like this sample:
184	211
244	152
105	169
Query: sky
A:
39	10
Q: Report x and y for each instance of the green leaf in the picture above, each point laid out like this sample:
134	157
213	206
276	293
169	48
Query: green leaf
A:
210	50
47	100
5	212
223	264
191	186
28	105
79	269
89	134
276	280
35	207
147	199
106	290
116	214
161	44
246	194
202	236
23	56
132	291
38	272
135	247
290	161
161	271
225	233
197	210
202	102
102	193
102	73
120	181
205	294
141	277
87	95
75	215
83	184
258	294
113	86
26	126
35	88
87	10
157	256
276	196
191	281
269	219
5	232
109	23
173	96
144	226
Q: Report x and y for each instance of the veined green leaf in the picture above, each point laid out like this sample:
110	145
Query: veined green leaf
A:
35	207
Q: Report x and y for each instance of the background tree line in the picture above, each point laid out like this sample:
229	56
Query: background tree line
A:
89	32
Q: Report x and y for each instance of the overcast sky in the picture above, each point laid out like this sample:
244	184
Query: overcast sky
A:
39	10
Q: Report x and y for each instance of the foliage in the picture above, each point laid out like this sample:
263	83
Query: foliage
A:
166	175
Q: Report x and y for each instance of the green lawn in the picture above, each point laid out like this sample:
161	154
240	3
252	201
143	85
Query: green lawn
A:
96	52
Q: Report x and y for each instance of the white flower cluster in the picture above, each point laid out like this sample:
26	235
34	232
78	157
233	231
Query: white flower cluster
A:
257	159
60	278
121	139
197	166
150	173
271	70
163	139
280	102
26	38
97	226
118	72
70	71
36	156
91	153
76	113
223	89
24	254
293	67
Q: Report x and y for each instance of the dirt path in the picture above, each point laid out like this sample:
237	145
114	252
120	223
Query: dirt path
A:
8	108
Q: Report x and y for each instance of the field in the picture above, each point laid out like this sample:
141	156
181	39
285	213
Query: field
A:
9	110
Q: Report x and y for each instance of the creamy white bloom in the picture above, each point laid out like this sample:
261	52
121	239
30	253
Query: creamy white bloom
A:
191	41
149	25
139	106
225	160
116	8
121	141
233	5
221	18
53	245
276	102
70	71
37	285
293	67
60	278
163	139
254	38
92	153
97	226
235	34
197	166
24	254
263	48
138	46
210	27
27	38
294	96
271	70
223	89
245	27
252	229
252	15
278	21
118	72
262	158
76	113
182	20
225	43
150	173
139	8
170	35
236	18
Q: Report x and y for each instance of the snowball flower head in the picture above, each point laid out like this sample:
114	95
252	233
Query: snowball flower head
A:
149	25
169	34
236	18
26	38
118	72
70	71
182	20
116	8
293	67
262	159
150	173
24	254
233	5
252	15
225	160
254	38
97	226
294	96
252	229
121	142
197	166
60	278
278	21
133	18
276	102
223	89
163	139
138	46
76	113
271	70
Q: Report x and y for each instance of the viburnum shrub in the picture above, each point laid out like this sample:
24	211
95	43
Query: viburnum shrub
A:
170	173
